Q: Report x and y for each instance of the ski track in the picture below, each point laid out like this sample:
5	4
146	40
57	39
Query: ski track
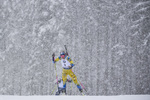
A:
64	97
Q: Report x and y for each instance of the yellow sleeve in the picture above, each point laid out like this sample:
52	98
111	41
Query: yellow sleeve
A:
57	59
71	62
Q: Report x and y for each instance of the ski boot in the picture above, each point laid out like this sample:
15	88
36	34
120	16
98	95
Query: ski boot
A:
57	93
81	90
63	92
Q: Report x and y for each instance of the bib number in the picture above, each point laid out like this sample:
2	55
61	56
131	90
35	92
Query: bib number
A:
64	62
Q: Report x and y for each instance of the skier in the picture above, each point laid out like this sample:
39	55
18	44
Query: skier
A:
67	65
61	88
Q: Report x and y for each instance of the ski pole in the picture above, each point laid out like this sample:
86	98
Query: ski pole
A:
55	67
54	89
71	87
56	74
81	84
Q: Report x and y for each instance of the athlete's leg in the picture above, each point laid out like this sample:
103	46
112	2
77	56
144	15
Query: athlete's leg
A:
64	77
74	78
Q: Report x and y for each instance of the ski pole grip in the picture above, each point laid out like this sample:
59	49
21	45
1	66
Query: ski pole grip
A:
53	55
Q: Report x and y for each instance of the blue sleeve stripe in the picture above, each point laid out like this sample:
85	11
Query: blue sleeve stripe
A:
68	58
59	57
72	65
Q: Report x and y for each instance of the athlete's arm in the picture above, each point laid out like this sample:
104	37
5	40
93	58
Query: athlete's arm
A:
71	62
57	59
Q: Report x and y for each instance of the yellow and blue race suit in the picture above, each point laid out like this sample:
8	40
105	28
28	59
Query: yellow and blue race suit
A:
67	65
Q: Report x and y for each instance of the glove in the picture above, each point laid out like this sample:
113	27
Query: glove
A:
53	55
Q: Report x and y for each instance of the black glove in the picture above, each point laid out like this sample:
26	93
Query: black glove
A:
53	55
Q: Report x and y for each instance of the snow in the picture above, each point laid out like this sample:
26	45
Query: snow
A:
142	3
143	9
108	40
122	97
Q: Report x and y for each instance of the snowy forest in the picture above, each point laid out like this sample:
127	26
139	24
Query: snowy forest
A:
108	41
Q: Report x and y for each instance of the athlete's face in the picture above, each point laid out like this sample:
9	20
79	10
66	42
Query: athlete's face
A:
63	56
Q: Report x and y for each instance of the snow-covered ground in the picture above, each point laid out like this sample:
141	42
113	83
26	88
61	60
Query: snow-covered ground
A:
108	41
122	97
